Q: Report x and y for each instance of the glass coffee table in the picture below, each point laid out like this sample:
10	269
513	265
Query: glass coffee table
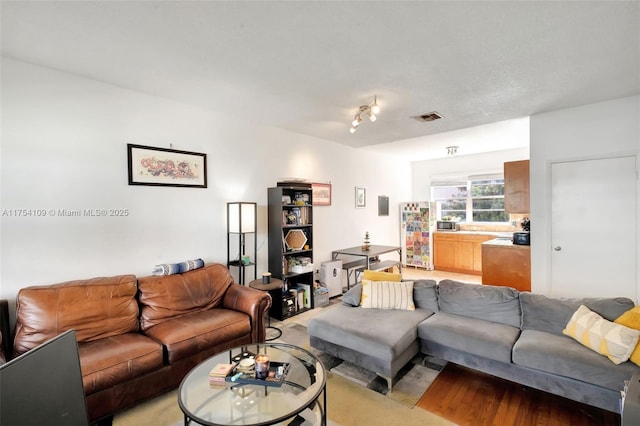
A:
230	403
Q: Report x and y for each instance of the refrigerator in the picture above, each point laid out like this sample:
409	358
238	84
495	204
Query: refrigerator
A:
417	222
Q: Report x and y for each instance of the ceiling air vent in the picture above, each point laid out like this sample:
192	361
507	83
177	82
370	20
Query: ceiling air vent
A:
430	116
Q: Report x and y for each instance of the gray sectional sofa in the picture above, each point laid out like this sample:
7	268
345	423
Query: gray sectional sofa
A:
497	330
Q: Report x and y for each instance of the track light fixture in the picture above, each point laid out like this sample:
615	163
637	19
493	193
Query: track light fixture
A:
371	110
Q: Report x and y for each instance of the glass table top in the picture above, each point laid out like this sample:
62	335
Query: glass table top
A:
253	404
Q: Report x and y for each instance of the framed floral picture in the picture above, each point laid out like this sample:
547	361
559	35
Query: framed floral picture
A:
166	167
361	197
321	194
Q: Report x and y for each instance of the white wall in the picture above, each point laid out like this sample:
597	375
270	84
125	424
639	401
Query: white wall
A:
590	131
64	147
64	142
423	171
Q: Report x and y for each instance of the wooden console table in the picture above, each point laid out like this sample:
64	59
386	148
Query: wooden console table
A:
367	260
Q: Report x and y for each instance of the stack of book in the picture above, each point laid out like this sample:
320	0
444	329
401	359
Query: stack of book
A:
218	374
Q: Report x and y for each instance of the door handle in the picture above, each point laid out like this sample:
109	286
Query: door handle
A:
557	248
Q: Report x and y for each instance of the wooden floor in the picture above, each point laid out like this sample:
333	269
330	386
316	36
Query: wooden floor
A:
467	397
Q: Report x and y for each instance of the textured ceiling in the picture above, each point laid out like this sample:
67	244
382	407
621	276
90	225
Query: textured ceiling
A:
306	66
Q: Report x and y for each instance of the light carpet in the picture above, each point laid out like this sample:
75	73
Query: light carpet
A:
348	404
355	396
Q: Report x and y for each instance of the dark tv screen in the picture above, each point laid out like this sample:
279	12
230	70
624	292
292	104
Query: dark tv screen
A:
44	386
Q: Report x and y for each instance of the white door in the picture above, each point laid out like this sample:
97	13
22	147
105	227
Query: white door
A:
593	228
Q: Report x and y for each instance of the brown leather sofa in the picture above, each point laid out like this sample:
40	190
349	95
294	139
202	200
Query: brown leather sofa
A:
137	338
5	336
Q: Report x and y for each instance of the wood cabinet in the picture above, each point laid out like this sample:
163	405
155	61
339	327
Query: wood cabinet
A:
507	265
516	186
459	252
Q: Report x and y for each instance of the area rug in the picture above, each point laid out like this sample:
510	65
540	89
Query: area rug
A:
354	396
411	382
348	404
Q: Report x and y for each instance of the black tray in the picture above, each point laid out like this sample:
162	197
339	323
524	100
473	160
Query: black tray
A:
269	381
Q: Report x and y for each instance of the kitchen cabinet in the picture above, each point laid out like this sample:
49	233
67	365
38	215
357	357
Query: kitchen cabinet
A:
516	187
506	264
459	252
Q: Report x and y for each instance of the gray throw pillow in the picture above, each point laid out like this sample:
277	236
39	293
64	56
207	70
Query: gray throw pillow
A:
353	296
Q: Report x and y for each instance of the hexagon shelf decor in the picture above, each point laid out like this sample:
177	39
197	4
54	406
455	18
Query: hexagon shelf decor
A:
295	239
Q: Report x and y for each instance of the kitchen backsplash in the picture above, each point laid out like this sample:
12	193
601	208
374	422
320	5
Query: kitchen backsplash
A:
514	218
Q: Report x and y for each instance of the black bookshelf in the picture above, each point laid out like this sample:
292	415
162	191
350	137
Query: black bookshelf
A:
290	230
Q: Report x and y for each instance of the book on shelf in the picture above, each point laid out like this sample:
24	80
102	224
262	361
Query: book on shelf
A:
306	290
295	216
294	293
297	213
304	215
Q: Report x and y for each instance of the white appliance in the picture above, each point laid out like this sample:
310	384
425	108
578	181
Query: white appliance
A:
417	222
331	276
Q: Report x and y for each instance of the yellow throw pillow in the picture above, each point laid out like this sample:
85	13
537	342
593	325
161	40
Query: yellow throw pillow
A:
387	295
381	276
631	319
615	341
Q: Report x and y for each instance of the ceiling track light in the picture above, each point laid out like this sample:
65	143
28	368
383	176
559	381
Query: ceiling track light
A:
370	114
371	110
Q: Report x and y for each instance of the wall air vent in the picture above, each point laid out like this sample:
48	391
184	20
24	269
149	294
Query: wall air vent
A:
430	116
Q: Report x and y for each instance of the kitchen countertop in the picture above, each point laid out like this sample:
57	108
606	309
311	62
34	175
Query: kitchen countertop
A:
498	234
504	242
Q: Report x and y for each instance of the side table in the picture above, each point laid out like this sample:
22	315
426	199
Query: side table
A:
274	284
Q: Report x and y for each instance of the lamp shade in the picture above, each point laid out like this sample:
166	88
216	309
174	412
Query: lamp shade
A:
241	217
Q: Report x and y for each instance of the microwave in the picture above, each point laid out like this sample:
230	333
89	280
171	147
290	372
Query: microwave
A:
447	225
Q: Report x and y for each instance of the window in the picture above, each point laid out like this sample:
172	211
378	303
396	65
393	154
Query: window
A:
487	200
451	200
474	199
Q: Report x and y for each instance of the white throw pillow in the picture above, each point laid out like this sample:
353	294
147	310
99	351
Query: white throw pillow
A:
387	295
614	341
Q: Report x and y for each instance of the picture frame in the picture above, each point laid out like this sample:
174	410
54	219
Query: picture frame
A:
321	194
383	205
361	197
152	166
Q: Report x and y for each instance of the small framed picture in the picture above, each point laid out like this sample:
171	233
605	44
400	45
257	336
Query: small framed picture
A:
361	197
321	193
383	205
